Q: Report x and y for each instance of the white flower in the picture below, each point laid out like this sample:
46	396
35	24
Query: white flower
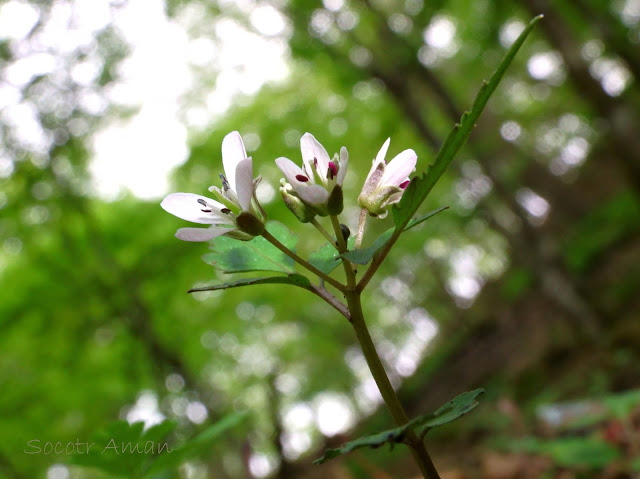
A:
319	182
386	183
235	214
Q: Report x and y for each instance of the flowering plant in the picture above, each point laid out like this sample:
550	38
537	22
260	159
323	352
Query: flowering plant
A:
316	189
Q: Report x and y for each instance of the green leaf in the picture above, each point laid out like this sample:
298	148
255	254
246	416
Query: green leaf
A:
457	407
294	279
391	436
451	411
420	187
199	445
123	450
364	255
327	258
233	256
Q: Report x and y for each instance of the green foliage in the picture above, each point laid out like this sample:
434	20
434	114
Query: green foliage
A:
233	256
601	229
126	451
573	452
326	258
457	407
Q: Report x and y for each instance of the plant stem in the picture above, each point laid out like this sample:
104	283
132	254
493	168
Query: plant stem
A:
324	232
342	248
390	397
378	259
330	299
274	241
362	222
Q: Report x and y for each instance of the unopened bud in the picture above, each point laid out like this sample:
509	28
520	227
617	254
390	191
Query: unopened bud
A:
296	205
346	232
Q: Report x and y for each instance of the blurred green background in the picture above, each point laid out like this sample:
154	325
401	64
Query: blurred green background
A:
527	285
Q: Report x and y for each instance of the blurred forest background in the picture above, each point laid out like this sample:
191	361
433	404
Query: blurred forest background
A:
527	285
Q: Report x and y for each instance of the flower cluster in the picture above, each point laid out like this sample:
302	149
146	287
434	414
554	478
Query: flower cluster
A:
310	190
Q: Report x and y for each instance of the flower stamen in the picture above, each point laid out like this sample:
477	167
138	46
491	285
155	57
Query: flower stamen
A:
225	183
302	178
404	184
332	171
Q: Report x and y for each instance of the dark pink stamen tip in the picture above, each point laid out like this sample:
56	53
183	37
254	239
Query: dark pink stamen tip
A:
404	184
302	178
332	171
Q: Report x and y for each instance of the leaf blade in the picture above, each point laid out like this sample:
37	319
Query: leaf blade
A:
293	279
233	256
420	187
457	407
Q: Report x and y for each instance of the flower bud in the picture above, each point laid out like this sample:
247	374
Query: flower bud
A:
298	207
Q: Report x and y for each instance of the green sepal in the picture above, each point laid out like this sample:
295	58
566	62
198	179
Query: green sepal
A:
335	203
250	224
298	207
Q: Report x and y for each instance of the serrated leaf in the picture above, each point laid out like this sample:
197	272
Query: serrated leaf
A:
327	258
294	279
364	255
451	411
391	436
421	186
233	256
457	407
197	446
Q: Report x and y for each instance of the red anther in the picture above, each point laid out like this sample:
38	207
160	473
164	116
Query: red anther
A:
332	171
404	184
302	178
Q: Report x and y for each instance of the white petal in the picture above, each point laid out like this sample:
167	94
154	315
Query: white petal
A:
379	157
344	161
399	169
244	183
186	206
312	194
290	170
312	149
233	152
200	234
383	151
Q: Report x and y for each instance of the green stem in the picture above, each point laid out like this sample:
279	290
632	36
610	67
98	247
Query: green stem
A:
324	232
342	248
389	396
274	241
